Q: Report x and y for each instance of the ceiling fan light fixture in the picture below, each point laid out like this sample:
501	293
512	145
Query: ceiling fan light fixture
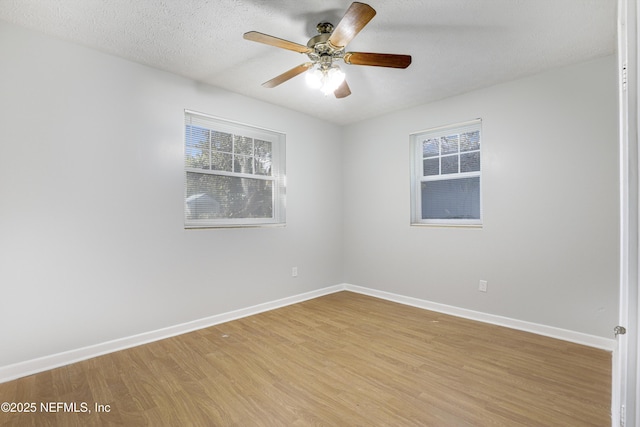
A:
335	77
327	79
314	77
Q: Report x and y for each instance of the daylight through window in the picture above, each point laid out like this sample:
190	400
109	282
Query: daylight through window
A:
234	173
446	175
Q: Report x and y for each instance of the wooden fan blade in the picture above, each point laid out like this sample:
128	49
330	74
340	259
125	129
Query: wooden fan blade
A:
255	36
287	75
377	59
356	17
343	90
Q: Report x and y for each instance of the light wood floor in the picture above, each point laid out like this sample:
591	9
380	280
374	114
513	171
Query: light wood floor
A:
340	360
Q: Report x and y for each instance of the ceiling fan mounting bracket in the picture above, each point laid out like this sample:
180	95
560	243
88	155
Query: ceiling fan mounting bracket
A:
325	28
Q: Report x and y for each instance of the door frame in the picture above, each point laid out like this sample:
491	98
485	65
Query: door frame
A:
626	381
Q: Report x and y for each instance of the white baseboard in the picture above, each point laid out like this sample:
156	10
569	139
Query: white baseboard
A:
548	331
29	367
33	366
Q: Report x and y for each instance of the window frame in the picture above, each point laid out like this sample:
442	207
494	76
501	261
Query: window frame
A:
277	177
418	177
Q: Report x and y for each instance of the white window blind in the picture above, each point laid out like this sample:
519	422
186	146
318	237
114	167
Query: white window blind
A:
446	175
234	173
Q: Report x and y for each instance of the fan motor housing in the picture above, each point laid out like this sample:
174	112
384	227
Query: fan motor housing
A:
320	39
321	45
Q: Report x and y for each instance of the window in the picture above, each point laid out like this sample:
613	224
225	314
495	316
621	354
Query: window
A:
445	175
234	174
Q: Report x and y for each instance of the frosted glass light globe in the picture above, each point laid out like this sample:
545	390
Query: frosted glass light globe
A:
314	78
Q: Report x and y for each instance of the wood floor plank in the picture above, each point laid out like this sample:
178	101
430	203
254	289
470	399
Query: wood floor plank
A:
344	360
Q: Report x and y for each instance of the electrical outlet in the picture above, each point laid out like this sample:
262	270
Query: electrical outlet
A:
294	271
482	287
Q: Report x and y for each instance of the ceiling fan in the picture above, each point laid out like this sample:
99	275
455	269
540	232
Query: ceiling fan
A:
327	47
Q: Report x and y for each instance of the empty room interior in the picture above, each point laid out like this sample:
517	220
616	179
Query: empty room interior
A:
192	233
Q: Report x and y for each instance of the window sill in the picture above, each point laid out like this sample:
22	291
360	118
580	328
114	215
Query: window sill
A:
442	225
216	226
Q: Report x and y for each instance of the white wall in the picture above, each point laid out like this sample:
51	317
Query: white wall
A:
548	248
92	244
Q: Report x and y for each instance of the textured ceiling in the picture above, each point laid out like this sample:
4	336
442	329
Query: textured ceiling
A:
456	45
